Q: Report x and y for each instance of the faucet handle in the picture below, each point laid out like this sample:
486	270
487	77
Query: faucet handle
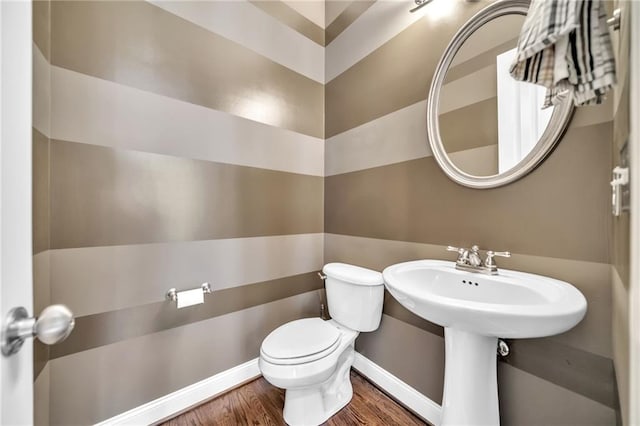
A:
491	254
463	254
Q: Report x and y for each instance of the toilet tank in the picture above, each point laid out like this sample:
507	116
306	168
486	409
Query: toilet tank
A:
354	295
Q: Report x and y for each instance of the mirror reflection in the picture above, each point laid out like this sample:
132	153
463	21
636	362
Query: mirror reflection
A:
488	121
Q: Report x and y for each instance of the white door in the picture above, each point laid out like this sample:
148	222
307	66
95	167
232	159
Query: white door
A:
16	371
634	291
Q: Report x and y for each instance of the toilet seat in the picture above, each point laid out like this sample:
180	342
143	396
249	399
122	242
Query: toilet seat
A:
301	341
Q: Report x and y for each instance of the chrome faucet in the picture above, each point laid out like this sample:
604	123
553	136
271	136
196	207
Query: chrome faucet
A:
470	260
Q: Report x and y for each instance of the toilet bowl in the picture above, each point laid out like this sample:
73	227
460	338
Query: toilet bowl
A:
317	384
311	358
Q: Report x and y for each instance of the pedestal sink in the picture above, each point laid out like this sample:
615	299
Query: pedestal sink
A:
476	310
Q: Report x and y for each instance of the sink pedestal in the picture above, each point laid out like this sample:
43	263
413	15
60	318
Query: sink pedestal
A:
470	380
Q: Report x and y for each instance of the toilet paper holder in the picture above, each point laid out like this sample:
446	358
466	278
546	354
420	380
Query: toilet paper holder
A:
172	294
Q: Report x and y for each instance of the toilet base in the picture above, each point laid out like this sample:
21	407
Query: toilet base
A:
311	406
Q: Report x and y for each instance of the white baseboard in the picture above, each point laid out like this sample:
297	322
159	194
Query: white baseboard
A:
399	390
193	395
188	397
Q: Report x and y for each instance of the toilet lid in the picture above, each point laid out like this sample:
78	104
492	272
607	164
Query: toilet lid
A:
301	339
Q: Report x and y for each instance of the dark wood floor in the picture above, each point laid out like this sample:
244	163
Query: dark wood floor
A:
259	403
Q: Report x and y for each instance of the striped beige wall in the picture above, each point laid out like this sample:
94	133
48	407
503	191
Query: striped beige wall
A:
620	240
350	11
387	201
284	12
171	148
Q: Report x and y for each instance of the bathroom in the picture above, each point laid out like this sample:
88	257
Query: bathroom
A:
247	144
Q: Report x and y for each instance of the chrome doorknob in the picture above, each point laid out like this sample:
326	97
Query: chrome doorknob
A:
54	324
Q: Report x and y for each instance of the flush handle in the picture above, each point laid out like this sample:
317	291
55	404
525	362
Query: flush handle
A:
54	324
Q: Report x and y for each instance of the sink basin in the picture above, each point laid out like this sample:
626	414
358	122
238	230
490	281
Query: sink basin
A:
510	305
476	310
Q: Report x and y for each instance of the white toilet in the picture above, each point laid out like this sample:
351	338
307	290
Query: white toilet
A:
311	358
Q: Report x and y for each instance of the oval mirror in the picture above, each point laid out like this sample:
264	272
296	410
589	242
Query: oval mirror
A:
485	128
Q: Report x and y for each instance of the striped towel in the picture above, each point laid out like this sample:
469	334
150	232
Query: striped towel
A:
565	46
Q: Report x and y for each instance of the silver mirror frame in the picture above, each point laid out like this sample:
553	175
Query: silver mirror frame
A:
558	123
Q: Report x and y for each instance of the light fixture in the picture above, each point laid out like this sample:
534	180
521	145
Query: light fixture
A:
420	4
